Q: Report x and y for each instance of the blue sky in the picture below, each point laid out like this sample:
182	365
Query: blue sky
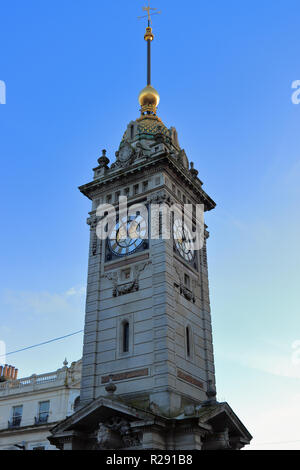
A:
73	70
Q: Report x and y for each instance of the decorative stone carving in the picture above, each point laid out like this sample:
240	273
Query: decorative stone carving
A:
139	151
120	289
184	290
104	437
125	156
161	197
183	159
193	171
103	160
116	433
211	393
110	387
187	293
218	441
92	222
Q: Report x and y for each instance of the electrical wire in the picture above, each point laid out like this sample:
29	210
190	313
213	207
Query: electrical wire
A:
81	331
41	344
275	443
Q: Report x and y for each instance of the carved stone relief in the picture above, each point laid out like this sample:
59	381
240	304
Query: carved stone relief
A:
92	222
127	155
116	433
187	293
122	288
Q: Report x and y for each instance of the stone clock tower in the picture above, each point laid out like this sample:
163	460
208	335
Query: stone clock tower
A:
148	377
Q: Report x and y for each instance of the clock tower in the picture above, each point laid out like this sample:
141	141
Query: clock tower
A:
148	377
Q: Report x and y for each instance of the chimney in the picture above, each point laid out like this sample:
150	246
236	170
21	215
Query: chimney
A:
8	373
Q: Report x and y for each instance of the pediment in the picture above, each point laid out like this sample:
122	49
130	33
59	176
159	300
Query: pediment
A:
100	410
220	416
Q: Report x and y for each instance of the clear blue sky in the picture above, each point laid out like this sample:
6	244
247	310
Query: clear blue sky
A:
73	70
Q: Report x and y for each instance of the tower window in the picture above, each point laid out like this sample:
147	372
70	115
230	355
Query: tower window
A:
157	181
187	281
145	185
76	403
136	189
117	196
125	339
108	198
188	341
131	131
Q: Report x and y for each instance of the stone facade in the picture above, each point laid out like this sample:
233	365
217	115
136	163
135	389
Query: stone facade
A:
30	430
159	391
110	424
154	300
148	376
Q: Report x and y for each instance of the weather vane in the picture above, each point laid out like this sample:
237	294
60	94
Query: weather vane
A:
149	11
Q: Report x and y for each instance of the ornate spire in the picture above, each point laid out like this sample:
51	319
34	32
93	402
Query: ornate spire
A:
149	97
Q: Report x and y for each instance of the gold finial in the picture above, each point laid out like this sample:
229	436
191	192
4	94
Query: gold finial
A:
149	97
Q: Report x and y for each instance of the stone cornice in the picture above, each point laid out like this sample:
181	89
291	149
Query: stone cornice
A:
153	165
37	391
94	406
25	429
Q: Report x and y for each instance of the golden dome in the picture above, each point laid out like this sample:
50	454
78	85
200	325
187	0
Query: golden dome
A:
149	97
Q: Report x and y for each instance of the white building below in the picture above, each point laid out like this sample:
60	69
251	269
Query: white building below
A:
31	406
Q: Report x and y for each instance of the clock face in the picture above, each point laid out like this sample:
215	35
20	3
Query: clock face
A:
183	240
125	153
128	234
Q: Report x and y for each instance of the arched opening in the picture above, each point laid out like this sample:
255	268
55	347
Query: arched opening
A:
131	131
125	337
188	341
76	403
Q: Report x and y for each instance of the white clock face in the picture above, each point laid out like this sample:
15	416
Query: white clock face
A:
128	234
183	240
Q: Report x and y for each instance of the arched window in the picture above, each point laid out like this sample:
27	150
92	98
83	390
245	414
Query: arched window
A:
188	341
131	131
125	337
76	403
